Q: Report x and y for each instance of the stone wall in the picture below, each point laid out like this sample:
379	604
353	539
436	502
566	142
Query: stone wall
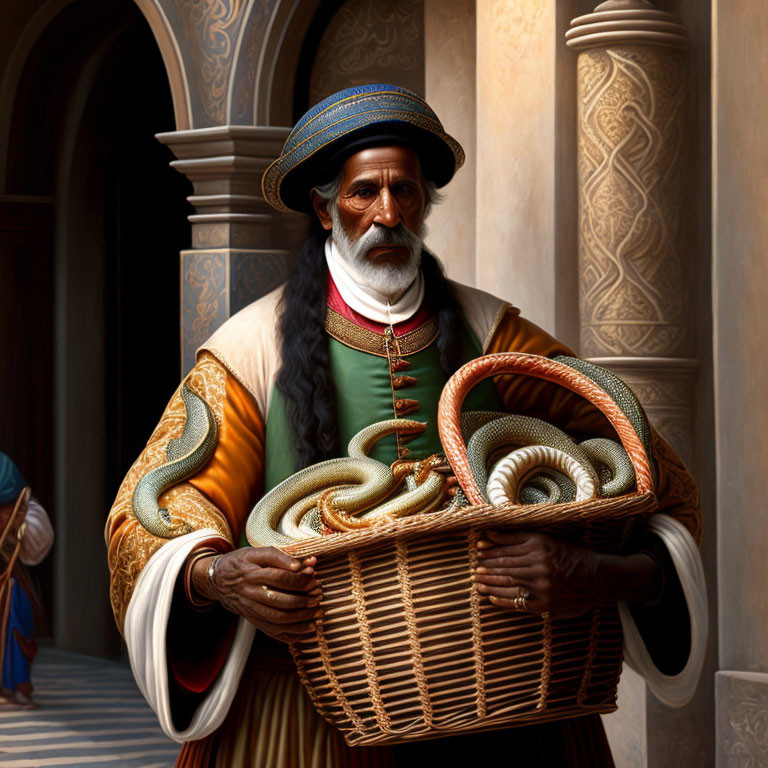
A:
740	295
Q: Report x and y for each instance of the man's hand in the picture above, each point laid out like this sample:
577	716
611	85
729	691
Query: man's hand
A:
562	578
275	592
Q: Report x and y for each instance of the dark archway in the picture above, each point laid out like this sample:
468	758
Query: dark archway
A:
106	219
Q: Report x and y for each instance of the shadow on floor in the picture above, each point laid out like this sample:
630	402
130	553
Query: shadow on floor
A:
91	714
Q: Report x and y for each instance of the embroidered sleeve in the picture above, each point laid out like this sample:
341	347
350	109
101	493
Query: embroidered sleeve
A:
218	497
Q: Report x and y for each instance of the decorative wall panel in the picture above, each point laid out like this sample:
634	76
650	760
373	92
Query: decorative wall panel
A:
205	300
211	29
254	274
370	41
742	720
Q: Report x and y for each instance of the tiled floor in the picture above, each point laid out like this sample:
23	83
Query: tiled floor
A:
91	714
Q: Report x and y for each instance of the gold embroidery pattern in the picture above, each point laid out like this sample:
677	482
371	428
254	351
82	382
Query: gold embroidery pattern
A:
129	545
373	343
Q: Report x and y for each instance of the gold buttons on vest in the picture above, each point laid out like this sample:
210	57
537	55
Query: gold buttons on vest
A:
405	439
397	364
400	382
404	405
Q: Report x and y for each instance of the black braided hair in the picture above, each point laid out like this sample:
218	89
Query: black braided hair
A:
304	378
440	296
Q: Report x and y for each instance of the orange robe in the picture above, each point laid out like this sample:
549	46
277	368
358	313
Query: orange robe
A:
271	722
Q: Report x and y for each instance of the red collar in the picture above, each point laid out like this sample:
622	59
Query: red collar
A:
337	304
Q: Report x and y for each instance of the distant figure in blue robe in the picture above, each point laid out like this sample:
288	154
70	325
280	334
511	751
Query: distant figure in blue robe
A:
17	613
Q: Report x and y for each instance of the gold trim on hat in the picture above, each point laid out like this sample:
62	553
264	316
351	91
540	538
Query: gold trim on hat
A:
276	173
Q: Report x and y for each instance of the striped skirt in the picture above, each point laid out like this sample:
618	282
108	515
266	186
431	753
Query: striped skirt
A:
272	724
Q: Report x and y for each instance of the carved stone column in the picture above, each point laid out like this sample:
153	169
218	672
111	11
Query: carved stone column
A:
232	260
631	90
634	297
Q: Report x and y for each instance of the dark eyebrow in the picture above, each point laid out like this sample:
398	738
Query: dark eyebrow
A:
362	182
406	180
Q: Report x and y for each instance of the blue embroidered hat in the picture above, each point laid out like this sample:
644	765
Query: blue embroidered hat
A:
347	122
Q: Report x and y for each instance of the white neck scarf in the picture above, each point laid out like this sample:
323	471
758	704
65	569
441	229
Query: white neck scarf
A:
368	302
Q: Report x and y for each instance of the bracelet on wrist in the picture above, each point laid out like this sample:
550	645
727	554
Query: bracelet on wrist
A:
212	571
193	596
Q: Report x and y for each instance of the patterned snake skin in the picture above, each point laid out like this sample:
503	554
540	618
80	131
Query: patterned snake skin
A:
422	497
617	475
371	483
339	490
187	454
502	430
507	476
488	431
483	434
621	394
547	487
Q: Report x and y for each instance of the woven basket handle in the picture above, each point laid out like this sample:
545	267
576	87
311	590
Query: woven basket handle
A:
459	385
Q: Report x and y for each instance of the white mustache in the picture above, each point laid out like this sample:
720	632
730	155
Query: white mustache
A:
385	277
378	235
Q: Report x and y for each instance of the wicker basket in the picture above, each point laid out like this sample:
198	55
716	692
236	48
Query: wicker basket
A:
407	648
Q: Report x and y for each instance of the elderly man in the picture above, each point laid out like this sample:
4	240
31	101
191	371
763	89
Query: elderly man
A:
366	328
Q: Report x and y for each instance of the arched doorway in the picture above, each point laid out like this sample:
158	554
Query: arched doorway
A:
92	219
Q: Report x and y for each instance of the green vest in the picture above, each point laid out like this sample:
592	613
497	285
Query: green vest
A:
369	390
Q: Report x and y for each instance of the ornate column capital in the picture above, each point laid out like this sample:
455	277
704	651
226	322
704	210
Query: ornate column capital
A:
233	259
225	165
626	22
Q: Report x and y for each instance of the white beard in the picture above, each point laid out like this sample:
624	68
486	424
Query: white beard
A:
391	280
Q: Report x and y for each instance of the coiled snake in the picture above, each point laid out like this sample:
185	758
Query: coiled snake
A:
621	394
501	430
509	473
595	462
574	465
327	485
357	491
186	455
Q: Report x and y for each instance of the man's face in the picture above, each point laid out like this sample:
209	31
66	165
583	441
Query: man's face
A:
377	216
